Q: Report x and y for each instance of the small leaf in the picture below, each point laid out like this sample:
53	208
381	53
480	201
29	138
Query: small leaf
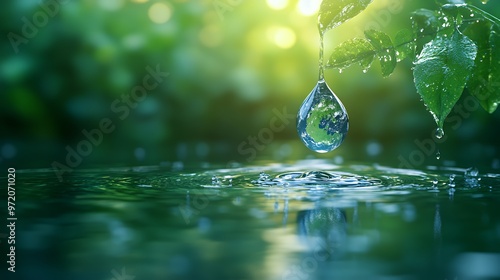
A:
404	44
350	52
484	83
441	72
382	44
333	13
425	21
425	25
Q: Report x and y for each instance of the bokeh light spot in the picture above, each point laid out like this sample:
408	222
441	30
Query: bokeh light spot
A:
373	148
277	4
283	37
159	13
111	5
9	151
308	7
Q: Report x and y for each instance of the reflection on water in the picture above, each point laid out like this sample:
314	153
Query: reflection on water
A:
323	231
304	220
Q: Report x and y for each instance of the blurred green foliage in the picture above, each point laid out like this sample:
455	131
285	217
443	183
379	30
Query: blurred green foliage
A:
230	63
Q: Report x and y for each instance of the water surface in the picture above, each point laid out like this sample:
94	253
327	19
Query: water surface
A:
302	220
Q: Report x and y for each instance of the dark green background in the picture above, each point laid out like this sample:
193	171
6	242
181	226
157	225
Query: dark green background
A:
226	75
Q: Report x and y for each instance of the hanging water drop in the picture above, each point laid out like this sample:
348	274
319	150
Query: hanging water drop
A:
439	133
322	120
438	155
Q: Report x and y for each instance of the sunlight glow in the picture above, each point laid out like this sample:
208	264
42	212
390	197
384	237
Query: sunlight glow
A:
282	37
308	7
277	4
159	13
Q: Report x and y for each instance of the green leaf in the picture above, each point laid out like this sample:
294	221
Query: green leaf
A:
350	52
495	66
333	13
485	79
382	44
425	22
441	72
425	25
404	44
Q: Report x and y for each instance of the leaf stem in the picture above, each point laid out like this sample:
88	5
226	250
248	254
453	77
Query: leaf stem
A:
321	54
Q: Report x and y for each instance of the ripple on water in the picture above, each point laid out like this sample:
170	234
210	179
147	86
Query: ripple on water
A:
317	178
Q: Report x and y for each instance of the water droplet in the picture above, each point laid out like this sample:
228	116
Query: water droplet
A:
439	133
340	70
451	183
322	121
215	180
472	15
438	155
263	177
365	70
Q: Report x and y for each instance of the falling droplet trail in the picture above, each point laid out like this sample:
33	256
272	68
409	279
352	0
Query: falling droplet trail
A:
322	121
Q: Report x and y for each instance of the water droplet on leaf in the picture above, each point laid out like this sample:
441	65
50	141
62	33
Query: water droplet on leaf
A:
439	133
438	155
322	121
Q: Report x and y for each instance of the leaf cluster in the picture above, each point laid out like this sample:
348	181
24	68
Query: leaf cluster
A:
454	48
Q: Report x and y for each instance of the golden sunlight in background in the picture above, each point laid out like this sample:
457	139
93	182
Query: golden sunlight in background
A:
282	37
308	7
277	4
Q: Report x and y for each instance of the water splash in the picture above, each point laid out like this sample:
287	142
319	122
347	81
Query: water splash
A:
322	121
471	177
451	182
215	180
322	178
